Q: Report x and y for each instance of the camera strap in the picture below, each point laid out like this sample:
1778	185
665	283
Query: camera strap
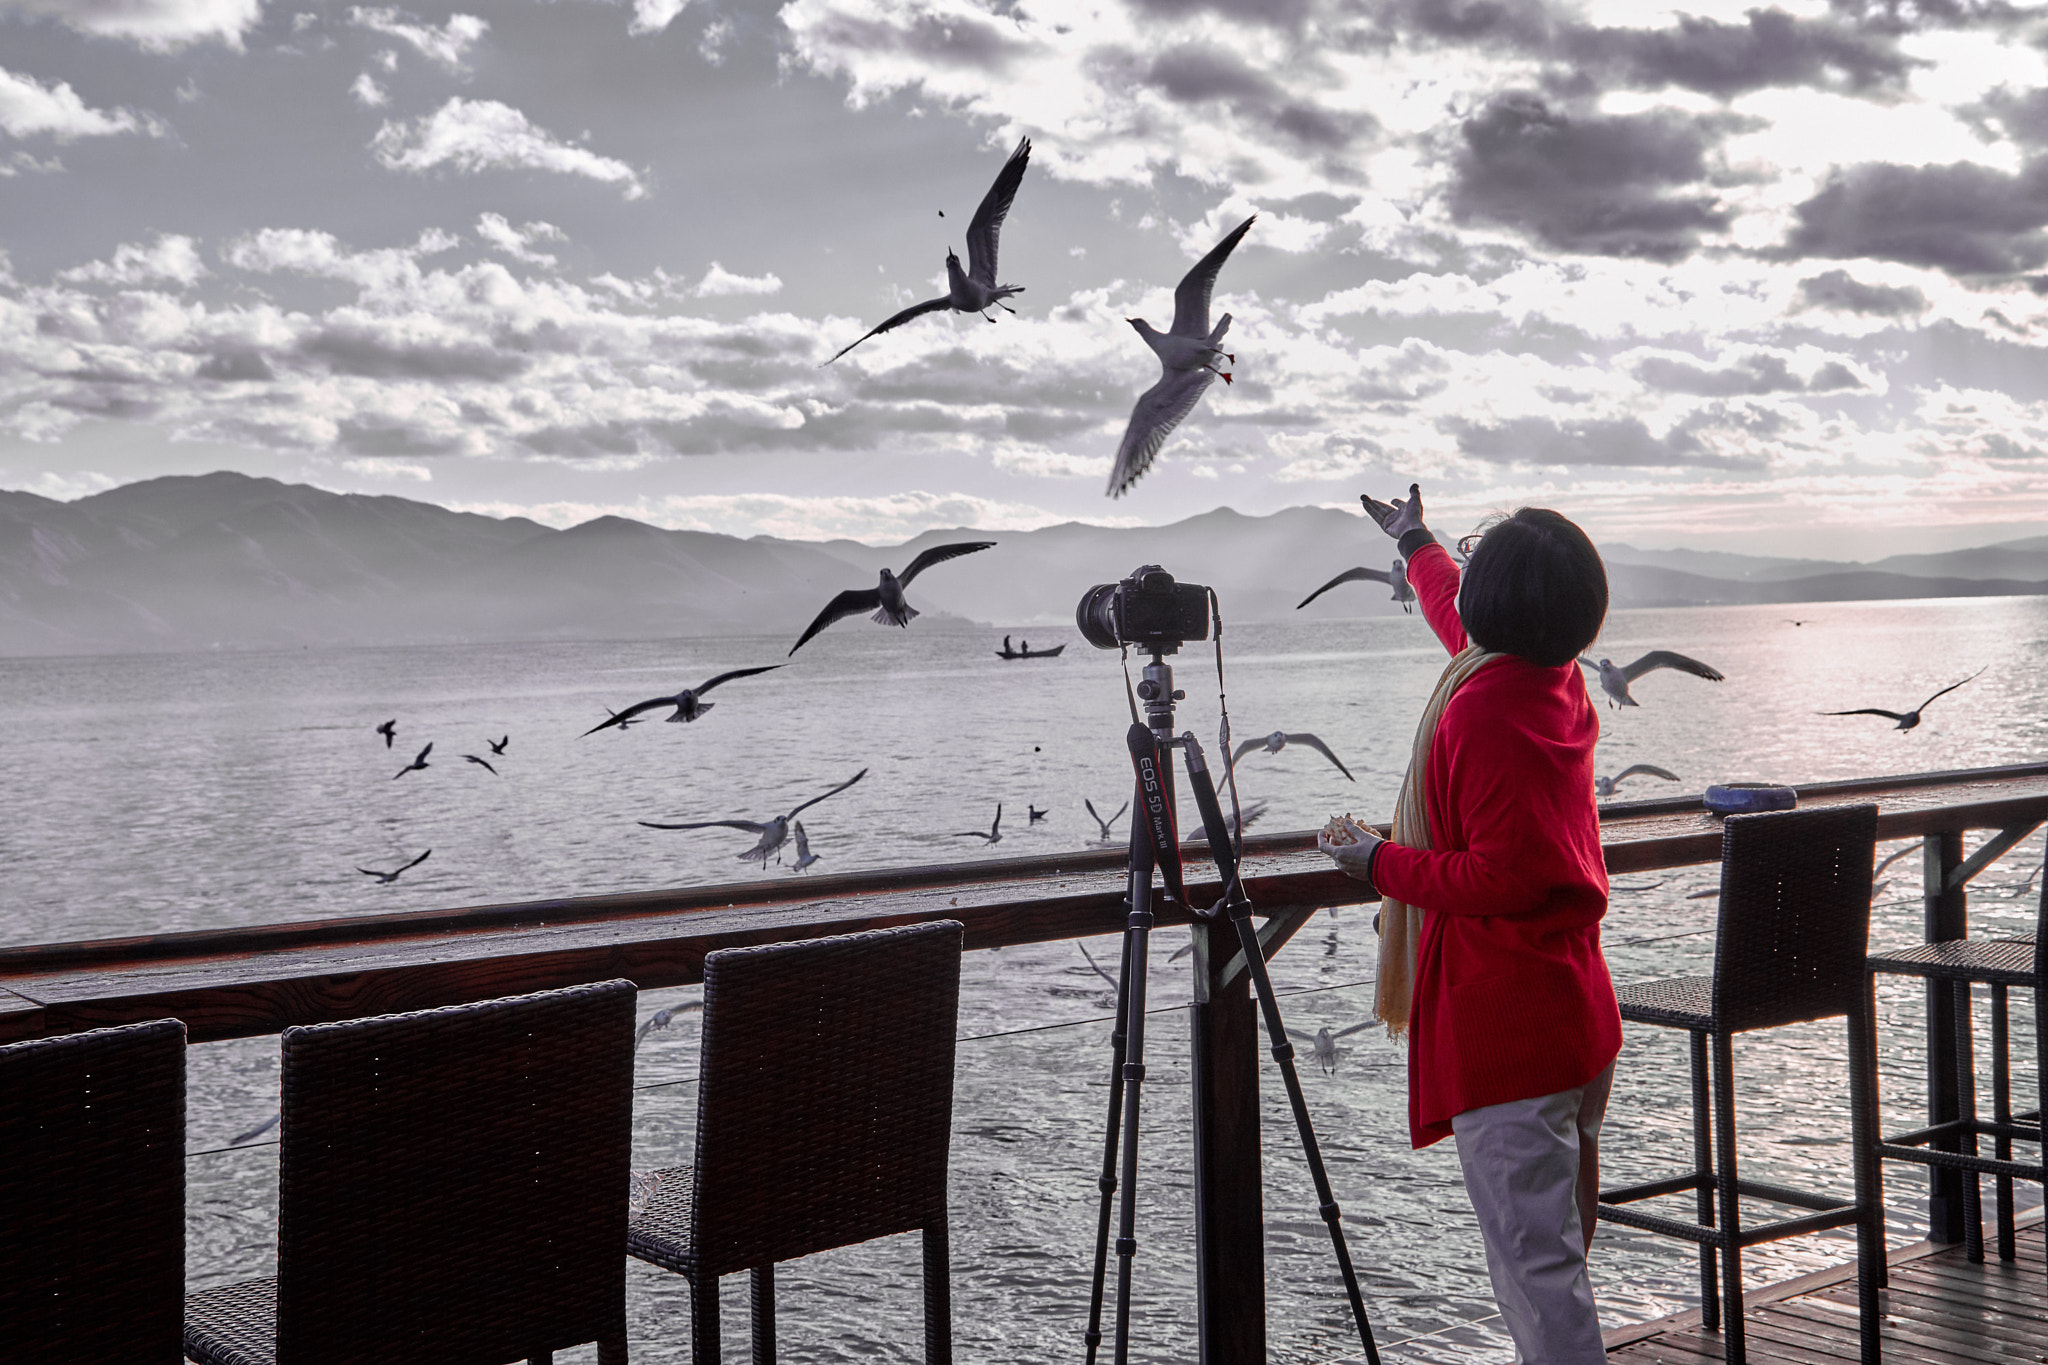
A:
1156	810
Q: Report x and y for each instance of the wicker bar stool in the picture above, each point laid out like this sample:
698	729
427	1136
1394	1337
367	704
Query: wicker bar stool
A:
824	1117
2000	963
92	1194
452	1188
1794	928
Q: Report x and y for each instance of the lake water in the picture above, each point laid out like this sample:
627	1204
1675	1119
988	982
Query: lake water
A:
176	792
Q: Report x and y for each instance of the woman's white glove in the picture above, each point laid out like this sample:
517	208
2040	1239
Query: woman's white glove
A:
1354	857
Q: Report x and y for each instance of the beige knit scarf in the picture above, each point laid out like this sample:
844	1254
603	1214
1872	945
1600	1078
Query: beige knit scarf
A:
1400	923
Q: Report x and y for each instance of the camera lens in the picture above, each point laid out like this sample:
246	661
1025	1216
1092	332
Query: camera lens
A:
1096	616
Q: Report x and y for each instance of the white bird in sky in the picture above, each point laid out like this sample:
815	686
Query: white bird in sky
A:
1106	835
885	599
1604	786
1280	739
686	702
1395	578
1188	352
804	856
973	290
1614	679
774	832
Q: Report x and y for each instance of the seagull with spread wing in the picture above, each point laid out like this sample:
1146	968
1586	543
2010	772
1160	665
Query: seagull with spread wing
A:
1188	352
1280	739
1322	1044
1107	837
804	856
498	745
973	290
1604	786
686	702
1395	578
773	832
418	764
885	599
1906	720
386	878
994	833
483	763
1614	679
389	729
662	1019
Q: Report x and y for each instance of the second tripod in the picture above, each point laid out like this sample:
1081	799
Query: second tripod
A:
1155	846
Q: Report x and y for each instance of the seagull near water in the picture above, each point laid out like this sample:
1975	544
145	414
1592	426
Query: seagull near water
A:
1280	739
973	290
804	856
885	599
686	702
1395	578
1107	837
483	763
1909	719
1322	1044
389	729
386	878
662	1019
498	745
1604	786
1188	352
418	763
1614	679
773	832
994	833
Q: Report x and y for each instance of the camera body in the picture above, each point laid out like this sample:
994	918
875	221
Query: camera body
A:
1148	610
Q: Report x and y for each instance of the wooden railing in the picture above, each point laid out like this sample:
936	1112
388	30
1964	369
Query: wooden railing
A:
243	982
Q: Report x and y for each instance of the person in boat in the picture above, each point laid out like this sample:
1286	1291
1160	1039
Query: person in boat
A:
1006	645
1023	646
1494	892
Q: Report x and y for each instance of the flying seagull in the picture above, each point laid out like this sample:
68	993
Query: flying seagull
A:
662	1019
687	706
1395	578
258	1131
1096	965
498	745
1911	718
1614	679
1231	823
1106	835
1322	1044
804	856
1280	739
386	878
973	290
774	832
994	833
389	729
419	762
483	763
885	599
1604	786
1188	352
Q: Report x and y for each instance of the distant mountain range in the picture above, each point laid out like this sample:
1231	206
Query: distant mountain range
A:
224	560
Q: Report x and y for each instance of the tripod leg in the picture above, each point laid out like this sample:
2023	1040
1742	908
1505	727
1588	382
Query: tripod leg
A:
1136	942
1283	1053
1106	1182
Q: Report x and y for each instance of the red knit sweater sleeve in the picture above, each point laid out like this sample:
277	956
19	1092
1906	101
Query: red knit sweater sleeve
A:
1434	576
1506	863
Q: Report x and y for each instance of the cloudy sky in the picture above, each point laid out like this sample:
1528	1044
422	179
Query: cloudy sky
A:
1770	279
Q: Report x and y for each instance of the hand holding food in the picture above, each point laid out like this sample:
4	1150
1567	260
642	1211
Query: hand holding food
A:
1350	845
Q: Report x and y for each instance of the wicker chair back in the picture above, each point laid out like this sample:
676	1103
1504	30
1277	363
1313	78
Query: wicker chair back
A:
92	1194
825	1093
1795	916
453	1183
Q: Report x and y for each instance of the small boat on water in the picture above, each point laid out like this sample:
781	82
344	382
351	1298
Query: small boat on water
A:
1006	652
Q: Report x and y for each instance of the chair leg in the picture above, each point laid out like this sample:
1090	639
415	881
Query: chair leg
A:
2001	1110
611	1348
1703	1164
1863	1137
704	1319
761	1309
1733	1349
938	1295
1966	1111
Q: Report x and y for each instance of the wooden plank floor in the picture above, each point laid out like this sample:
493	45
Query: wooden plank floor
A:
1939	1309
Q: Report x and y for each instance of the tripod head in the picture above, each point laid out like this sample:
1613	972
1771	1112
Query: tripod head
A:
1157	692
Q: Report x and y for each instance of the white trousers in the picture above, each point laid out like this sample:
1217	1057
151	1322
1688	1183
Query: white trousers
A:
1532	1173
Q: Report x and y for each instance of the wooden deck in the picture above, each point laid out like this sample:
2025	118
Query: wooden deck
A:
1939	1309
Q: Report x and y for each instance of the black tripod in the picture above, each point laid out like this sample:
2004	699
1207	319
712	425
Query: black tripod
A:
1155	845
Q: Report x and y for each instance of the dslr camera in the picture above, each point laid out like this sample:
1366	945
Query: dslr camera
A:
1148	610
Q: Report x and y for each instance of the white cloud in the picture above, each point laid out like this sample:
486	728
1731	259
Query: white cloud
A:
159	25
652	16
390	469
28	108
448	45
69	486
368	93
480	135
173	259
517	242
718	282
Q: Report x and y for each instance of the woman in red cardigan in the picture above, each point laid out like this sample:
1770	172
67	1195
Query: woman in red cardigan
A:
1512	1021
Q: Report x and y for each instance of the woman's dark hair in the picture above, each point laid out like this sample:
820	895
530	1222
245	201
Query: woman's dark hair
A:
1535	588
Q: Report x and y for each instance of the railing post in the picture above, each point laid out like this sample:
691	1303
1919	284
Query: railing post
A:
1945	917
1230	1227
